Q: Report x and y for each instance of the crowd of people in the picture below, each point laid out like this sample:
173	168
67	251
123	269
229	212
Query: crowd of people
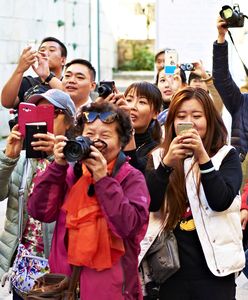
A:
112	165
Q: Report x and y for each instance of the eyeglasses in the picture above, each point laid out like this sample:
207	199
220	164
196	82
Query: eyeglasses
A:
58	111
105	117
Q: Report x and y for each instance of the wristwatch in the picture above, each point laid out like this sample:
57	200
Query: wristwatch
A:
49	77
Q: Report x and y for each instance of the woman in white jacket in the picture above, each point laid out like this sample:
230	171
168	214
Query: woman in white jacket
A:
196	188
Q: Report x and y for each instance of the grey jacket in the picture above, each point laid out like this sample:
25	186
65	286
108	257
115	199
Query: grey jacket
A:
11	173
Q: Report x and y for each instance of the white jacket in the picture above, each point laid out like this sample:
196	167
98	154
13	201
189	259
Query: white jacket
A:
220	233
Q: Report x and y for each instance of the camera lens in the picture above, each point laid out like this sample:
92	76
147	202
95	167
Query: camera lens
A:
189	67
104	90
77	150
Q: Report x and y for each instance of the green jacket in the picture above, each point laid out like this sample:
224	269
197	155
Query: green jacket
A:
11	173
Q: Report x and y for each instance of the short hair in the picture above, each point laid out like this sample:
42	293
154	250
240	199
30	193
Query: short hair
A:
53	39
124	126
192	76
162	51
83	62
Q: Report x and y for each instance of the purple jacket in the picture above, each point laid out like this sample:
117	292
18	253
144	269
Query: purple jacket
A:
124	201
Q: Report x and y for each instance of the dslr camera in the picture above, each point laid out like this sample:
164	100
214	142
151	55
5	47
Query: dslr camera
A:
232	16
105	88
78	149
187	67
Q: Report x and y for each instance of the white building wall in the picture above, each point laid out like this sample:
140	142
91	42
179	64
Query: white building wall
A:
25	21
190	27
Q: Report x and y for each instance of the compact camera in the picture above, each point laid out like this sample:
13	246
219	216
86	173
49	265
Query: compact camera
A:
232	16
105	88
78	149
187	67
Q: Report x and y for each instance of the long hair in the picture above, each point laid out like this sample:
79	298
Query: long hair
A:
215	138
154	98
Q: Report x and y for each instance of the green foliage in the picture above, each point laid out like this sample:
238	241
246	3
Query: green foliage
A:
143	59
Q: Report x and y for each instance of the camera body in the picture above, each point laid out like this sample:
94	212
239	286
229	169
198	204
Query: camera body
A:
187	67
232	16
78	149
105	88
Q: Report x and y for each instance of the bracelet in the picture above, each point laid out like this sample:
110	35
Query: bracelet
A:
207	170
167	168
207	79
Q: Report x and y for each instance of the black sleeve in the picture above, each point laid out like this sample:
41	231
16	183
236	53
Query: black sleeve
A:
222	186
135	161
157	181
223	81
25	85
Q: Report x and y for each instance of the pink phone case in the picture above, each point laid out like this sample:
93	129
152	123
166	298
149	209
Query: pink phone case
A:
30	113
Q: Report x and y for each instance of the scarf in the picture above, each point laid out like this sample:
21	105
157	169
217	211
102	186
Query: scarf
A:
90	241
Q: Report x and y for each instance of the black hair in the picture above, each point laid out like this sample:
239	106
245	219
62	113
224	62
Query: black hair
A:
192	76
83	62
53	39
182	75
124	126
158	53
152	93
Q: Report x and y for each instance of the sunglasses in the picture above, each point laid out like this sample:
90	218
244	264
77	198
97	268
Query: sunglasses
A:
106	117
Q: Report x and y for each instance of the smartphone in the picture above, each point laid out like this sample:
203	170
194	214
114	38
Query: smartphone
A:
31	129
30	113
170	61
183	127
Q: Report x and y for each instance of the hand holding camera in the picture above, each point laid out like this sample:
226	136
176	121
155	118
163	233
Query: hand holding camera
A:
14	143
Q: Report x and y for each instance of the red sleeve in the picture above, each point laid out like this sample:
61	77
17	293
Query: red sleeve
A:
244	204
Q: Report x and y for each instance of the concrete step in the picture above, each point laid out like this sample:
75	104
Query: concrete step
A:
124	78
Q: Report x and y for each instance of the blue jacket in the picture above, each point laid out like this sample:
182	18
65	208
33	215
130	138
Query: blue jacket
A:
235	101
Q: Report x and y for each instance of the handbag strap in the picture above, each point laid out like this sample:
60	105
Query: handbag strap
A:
76	270
21	192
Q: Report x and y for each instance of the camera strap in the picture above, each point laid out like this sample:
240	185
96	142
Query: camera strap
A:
245	68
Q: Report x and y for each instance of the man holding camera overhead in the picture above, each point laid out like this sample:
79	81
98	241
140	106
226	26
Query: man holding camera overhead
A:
235	101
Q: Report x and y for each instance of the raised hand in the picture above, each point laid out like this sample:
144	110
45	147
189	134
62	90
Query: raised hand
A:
14	143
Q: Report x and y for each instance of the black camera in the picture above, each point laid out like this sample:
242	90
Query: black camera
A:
78	149
187	67
232	16
105	88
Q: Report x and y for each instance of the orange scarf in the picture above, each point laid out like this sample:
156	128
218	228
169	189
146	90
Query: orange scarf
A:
90	241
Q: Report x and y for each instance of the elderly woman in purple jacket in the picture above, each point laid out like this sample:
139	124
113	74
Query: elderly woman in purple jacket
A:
112	194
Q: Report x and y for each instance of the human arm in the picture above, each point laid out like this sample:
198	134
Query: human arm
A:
9	95
43	71
8	159
218	103
222	186
244	206
228	90
48	194
124	204
50	187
